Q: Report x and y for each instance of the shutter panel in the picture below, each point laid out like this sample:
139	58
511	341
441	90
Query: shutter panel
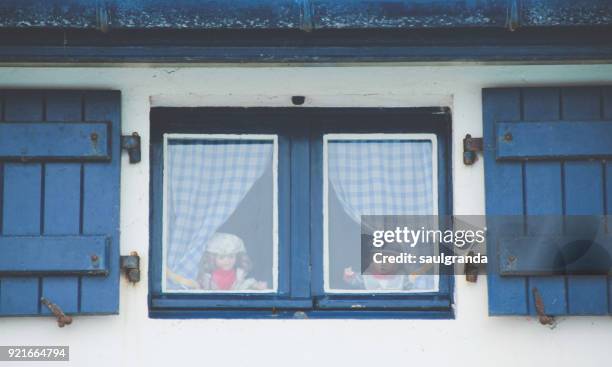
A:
59	195
546	178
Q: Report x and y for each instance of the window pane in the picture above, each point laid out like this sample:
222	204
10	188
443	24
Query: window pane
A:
220	213
375	174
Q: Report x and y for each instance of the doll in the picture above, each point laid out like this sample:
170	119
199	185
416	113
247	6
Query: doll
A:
386	276
225	265
377	276
375	281
413	281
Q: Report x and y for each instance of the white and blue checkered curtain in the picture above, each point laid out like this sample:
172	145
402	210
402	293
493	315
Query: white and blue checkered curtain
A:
207	180
382	177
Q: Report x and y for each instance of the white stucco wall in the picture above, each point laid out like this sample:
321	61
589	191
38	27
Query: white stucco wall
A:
473	338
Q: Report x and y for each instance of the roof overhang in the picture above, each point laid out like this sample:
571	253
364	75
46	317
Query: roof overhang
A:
295	31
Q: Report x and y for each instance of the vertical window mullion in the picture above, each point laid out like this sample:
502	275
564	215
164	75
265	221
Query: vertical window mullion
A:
316	211
284	215
300	214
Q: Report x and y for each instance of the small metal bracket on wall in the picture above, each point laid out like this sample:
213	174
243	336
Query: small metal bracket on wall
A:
471	270
62	318
130	265
470	147
131	143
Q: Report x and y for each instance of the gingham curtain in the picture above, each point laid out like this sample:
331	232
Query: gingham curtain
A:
382	177
207	180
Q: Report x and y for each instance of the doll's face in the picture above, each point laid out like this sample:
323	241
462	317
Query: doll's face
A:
225	262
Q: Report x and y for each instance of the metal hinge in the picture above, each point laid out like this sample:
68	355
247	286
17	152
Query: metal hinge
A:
130	265
131	143
470	147
471	270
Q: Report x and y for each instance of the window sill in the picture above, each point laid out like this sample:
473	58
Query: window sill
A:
163	307
447	314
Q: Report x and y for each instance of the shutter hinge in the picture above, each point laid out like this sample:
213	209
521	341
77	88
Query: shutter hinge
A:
130	264
62	318
131	143
470	147
471	270
539	306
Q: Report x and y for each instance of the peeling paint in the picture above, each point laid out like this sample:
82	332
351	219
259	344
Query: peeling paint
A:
185	14
178	14
52	14
409	14
564	13
298	14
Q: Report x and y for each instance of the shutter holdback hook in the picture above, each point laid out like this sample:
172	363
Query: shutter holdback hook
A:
62	318
540	310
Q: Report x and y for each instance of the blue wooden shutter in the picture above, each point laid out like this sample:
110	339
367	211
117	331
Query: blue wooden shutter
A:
59	199
535	177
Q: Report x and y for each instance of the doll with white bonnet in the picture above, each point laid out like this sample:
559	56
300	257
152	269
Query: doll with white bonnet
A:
225	265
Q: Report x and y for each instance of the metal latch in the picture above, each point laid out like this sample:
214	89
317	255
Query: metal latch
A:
131	143
539	306
470	147
130	265
62	318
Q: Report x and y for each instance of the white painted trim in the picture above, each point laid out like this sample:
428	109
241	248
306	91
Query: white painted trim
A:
262	137
373	136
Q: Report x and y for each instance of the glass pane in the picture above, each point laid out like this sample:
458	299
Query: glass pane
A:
382	175
220	213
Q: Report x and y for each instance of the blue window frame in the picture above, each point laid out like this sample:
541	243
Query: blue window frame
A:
299	134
